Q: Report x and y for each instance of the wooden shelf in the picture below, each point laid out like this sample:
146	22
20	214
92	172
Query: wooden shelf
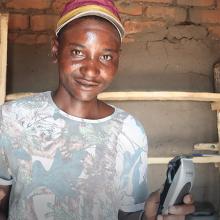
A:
145	96
14	96
161	96
165	160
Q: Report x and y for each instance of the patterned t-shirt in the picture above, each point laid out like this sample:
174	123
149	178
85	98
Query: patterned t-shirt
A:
63	167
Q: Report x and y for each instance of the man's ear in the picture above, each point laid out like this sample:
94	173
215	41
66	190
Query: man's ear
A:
54	49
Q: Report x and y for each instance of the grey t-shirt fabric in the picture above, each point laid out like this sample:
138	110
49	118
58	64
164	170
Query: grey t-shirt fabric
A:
65	167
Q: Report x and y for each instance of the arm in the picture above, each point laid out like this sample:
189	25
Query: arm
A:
4	201
133	173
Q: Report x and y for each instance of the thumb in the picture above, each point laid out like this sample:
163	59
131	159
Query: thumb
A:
152	203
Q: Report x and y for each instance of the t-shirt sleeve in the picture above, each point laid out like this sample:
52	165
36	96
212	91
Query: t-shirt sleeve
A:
132	166
5	177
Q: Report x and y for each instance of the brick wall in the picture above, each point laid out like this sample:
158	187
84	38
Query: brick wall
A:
33	21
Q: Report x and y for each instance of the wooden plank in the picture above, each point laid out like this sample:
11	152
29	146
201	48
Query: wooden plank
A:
146	96
3	55
215	106
207	146
15	96
160	96
165	160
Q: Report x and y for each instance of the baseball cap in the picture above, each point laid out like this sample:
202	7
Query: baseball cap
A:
80	8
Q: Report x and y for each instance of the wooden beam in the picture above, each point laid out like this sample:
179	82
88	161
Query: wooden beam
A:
165	160
15	96
160	96
146	96
207	146
215	106
3	55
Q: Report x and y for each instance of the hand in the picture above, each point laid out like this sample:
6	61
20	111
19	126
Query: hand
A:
177	212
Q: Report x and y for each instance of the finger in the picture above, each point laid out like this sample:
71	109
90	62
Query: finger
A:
188	199
182	209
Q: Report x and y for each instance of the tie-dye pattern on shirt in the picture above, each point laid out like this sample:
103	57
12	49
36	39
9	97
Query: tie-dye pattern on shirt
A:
67	168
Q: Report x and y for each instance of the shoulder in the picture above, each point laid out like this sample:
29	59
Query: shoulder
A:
26	107
132	130
130	122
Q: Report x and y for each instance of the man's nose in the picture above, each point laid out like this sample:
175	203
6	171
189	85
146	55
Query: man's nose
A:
90	69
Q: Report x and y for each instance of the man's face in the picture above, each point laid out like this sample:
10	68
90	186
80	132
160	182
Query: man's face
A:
88	56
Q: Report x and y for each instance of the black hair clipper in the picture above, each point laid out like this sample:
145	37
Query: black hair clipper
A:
179	181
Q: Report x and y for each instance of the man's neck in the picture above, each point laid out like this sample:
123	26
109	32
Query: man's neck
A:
94	109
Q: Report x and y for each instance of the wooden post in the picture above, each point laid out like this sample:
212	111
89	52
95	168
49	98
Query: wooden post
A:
218	127
217	90
217	77
3	55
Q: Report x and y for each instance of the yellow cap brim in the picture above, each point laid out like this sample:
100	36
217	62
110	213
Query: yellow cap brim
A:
90	10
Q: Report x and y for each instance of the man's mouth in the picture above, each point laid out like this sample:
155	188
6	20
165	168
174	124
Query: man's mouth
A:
86	83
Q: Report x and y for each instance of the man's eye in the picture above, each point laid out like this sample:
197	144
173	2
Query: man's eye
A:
106	57
77	52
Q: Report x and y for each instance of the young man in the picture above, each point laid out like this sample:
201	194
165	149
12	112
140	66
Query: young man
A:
68	155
